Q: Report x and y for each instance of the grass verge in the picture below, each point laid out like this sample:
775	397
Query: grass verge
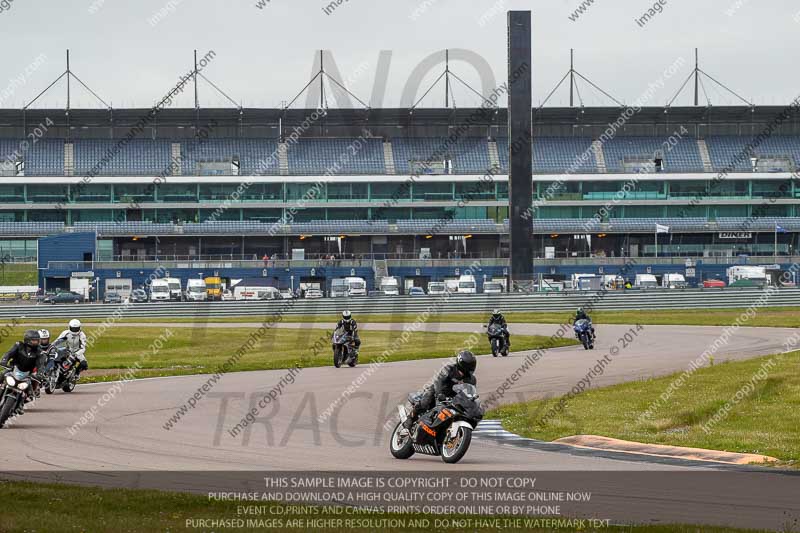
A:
197	350
62	507
748	406
788	317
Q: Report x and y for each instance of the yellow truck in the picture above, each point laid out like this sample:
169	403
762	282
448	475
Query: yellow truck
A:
214	288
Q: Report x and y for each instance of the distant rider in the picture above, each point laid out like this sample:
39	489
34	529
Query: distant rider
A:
580	314
462	371
348	323
44	341
76	342
25	355
45	348
498	318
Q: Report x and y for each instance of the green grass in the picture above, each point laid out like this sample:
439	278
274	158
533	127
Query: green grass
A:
18	274
768	317
60	507
198	350
765	421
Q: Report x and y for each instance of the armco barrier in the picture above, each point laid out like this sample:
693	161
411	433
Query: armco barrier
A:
562	301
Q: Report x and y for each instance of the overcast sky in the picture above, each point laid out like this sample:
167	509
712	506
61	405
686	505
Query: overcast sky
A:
131	56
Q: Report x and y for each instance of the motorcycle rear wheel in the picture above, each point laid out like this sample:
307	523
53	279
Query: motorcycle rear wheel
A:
69	386
400	446
453	454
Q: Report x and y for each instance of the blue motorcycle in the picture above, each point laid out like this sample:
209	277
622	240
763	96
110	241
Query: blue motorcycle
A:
583	330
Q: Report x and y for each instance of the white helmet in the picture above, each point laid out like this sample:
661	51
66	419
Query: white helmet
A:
43	334
75	325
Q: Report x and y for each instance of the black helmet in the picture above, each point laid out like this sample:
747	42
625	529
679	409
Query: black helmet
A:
30	336
466	362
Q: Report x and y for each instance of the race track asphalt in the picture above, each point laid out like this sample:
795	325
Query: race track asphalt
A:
128	432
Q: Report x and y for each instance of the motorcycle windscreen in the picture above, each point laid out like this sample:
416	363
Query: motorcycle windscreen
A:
471	408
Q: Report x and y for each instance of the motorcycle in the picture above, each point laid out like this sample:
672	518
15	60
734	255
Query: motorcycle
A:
13	395
583	330
445	430
344	349
497	339
62	370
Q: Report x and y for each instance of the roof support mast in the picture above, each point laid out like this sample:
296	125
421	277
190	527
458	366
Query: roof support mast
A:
68	76
447	78
696	78
571	77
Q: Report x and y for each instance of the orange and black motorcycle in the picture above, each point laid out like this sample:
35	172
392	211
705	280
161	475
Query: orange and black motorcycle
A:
445	430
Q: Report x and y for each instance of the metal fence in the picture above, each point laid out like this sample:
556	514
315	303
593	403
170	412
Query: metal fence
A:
556	301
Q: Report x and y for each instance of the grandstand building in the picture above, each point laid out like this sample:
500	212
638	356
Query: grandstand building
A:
399	184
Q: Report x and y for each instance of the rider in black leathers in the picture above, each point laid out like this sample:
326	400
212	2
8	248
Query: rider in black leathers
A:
25	355
498	318
350	326
462	371
580	314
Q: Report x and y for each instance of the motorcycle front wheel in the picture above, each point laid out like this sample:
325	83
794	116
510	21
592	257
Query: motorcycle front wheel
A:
400	445
69	386
6	409
337	362
50	384
494	347
453	449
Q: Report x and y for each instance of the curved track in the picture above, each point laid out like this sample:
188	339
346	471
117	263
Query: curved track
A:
128	432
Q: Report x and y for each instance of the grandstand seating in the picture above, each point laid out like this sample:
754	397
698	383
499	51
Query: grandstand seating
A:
45	158
256	156
424	226
111	157
683	157
725	150
336	156
409	227
316	156
555	155
30	228
469	155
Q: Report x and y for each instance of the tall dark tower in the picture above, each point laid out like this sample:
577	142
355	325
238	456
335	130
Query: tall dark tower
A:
520	137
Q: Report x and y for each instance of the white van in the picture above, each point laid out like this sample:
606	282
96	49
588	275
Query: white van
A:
466	285
674	281
356	286
339	288
174	288
389	286
645	281
159	290
436	287
493	287
196	290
